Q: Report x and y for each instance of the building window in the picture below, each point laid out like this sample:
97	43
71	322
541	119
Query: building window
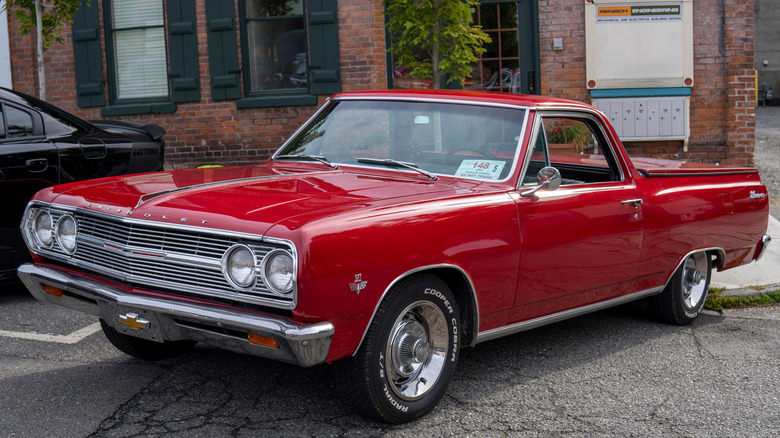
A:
137	35
511	61
150	51
275	43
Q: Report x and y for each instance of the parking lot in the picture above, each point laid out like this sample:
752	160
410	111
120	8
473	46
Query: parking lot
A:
613	373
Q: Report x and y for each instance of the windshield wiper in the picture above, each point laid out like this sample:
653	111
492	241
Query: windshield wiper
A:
396	163
317	158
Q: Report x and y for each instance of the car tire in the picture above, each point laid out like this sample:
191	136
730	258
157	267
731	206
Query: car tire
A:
144	349
408	357
683	298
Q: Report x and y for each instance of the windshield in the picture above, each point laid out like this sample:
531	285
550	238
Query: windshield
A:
469	141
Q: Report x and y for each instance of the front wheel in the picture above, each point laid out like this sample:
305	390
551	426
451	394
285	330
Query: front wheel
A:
409	354
683	298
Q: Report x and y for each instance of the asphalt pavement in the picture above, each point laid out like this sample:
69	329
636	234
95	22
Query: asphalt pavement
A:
763	275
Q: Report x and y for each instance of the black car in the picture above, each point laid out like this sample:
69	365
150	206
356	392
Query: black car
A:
42	145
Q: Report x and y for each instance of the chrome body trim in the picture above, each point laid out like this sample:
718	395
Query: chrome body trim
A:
489	335
475	301
764	243
222	327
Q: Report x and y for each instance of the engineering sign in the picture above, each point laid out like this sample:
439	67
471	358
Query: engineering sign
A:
633	12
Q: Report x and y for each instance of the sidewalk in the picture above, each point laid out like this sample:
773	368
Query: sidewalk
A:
764	273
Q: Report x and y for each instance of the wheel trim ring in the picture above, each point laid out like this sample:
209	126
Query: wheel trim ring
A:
694	280
411	381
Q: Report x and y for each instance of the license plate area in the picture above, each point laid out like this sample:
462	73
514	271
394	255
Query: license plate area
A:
138	323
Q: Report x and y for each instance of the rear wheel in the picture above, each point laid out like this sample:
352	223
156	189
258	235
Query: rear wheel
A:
684	295
144	349
409	354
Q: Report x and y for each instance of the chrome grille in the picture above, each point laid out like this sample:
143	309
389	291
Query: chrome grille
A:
178	259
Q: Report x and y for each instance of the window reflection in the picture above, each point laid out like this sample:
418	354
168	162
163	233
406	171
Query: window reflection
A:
276	44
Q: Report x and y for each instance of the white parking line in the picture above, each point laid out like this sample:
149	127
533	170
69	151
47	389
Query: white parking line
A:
60	339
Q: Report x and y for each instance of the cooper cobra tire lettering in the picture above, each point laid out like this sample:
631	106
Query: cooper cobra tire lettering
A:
439	295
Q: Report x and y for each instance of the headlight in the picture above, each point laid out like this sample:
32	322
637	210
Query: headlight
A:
238	267
42	229
66	233
279	270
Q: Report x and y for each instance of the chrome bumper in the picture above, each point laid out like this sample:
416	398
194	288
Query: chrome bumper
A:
764	243
227	328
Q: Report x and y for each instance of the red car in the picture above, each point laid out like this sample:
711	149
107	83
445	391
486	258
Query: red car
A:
389	232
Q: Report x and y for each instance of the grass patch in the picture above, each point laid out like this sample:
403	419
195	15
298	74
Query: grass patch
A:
718	303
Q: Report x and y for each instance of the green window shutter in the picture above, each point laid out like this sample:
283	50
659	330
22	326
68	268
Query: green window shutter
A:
88	56
183	51
324	47
223	50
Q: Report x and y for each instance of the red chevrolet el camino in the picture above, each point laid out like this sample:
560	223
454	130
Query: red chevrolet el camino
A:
389	232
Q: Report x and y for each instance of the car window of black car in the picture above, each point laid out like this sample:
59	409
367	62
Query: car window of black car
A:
17	123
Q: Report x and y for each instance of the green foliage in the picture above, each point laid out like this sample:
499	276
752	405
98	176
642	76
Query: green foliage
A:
55	14
571	134
435	38
718	303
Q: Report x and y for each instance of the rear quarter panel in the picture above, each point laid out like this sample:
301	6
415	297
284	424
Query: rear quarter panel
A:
685	213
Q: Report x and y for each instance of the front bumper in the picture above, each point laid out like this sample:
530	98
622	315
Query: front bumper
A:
173	320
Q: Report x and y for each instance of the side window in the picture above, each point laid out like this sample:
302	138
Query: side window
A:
18	122
576	148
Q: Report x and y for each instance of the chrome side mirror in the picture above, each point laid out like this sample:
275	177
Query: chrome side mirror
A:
549	178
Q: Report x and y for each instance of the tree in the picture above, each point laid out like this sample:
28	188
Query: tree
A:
48	20
442	31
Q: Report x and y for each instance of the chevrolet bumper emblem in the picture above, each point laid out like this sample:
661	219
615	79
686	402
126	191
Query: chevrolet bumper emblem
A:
134	321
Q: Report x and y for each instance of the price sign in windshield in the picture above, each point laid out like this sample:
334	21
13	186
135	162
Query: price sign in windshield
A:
480	169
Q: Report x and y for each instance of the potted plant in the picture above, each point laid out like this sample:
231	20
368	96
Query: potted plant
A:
569	137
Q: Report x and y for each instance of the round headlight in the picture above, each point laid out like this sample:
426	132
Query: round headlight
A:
238	266
66	233
279	270
42	229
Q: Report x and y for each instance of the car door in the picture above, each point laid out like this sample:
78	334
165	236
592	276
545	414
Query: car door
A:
28	163
580	243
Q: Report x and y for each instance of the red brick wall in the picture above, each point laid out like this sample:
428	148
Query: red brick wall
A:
722	106
215	131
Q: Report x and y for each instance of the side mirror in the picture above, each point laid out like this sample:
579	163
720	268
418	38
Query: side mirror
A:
548	178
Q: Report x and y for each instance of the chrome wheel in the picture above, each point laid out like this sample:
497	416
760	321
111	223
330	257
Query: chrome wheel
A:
416	350
409	354
695	273
683	297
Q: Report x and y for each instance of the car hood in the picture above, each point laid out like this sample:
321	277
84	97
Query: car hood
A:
246	199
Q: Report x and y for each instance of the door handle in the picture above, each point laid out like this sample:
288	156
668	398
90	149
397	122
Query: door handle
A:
37	164
635	202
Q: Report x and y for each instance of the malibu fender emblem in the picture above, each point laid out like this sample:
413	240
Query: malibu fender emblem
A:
358	284
134	321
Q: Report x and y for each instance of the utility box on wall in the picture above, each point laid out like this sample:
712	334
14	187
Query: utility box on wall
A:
648	118
639	59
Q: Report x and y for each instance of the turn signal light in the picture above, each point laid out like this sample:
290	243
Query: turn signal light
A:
265	341
57	292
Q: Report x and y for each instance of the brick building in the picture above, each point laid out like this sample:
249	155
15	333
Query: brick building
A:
230	80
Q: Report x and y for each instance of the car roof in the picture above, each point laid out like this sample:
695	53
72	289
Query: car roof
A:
523	100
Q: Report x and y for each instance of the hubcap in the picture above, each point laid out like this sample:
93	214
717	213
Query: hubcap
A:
416	350
694	280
